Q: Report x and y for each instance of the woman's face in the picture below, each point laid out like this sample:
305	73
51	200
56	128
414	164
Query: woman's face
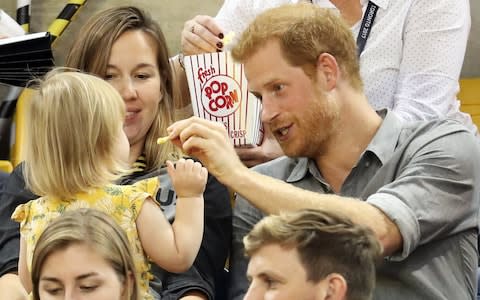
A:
133	70
78	272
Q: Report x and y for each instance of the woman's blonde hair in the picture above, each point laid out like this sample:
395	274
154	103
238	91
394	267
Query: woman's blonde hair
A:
73	125
94	229
91	52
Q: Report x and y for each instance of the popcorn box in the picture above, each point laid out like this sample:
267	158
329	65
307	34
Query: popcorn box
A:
219	92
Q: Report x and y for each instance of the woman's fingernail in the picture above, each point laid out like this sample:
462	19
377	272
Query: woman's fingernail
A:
220	35
219	45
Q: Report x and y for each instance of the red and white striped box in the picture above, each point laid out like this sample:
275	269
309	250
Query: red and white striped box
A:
219	92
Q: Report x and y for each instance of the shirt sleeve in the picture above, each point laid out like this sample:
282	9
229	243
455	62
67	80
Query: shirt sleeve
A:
21	213
141	190
435	193
434	44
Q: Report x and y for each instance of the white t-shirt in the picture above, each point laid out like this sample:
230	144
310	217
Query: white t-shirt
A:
413	56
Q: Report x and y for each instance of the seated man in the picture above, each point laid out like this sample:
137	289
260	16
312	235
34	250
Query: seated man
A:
416	185
311	254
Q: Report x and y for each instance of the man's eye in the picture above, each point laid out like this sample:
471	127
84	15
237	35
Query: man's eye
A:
270	282
278	87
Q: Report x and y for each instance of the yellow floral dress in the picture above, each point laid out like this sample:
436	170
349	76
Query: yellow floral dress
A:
122	202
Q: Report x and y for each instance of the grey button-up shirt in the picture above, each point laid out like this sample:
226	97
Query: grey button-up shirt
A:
424	176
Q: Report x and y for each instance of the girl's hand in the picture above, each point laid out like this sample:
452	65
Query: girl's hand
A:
188	177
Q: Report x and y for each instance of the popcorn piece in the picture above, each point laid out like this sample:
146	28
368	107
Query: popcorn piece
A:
162	140
227	39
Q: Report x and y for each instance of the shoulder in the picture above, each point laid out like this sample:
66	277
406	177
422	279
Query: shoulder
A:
439	140
437	131
149	185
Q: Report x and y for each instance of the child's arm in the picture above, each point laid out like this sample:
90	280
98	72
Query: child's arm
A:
174	247
23	272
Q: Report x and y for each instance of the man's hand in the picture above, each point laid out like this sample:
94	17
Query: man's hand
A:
208	141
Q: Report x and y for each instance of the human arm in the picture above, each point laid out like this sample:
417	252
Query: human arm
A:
434	44
181	94
203	277
351	11
208	141
181	240
12	288
23	272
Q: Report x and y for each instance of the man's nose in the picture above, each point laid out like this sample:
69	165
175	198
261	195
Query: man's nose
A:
254	292
269	111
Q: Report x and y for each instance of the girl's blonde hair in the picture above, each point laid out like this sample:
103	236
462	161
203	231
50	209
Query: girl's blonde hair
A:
91	51
94	229
73	125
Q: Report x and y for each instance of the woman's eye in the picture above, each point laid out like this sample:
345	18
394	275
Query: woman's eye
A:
88	288
143	76
108	77
54	291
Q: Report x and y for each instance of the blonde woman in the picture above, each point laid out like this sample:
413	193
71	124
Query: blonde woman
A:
75	148
84	252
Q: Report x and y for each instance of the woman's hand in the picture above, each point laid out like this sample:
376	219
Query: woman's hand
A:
201	35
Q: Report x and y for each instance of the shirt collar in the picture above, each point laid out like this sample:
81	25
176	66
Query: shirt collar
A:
382	145
299	171
385	140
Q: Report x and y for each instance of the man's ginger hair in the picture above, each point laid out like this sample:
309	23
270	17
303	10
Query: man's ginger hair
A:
304	31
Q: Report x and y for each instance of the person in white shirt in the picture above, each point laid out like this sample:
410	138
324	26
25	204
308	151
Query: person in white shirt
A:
411	62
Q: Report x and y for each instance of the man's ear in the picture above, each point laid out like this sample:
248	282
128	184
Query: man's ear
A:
336	286
328	69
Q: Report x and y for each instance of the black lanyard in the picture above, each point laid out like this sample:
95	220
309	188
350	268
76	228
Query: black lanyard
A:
366	27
